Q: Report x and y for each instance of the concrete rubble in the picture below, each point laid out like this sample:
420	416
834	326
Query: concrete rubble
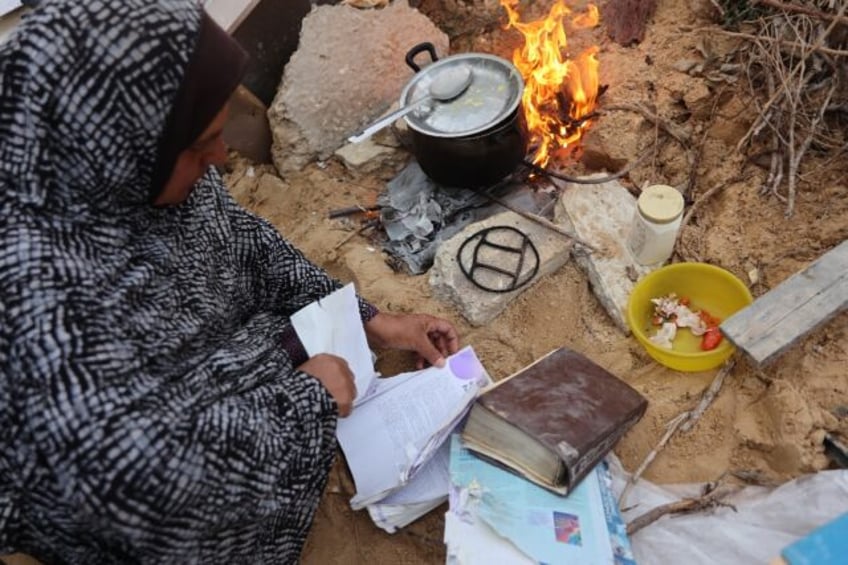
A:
479	306
600	215
363	156
348	70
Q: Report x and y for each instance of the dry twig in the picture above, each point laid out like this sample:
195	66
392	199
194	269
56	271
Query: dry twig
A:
539	220
790	59
783	42
670	430
795	8
807	50
711	497
708	195
368	225
707	398
675	131
799	154
685	420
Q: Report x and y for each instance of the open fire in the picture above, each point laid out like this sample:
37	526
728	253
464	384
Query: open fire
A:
560	92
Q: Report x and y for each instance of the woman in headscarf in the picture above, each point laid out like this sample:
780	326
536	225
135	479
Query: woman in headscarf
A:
155	403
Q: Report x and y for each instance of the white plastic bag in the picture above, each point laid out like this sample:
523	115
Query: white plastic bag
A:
763	523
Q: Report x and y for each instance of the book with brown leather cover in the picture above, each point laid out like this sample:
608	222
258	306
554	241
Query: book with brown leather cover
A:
563	402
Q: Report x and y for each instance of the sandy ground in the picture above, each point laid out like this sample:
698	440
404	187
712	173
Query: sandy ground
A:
768	423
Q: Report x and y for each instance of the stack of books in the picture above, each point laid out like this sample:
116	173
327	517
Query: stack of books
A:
528	480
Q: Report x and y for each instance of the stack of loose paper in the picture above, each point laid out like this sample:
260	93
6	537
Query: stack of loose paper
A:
498	517
427	490
395	440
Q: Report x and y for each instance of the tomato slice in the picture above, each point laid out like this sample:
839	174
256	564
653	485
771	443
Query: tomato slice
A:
708	319
711	338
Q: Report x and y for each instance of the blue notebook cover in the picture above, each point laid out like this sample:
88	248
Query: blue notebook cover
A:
553	529
826	545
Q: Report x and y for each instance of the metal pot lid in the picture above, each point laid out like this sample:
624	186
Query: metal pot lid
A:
493	95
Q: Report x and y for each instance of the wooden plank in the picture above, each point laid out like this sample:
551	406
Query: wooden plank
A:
9	20
271	34
7	6
229	13
794	308
19	559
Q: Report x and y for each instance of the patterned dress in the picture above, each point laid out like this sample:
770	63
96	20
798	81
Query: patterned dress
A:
148	412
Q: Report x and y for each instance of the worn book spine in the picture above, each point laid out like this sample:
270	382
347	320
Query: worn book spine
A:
497	460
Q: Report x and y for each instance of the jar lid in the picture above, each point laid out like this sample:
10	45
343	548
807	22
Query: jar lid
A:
661	203
493	95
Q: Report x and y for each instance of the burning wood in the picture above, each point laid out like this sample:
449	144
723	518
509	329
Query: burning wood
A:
560	93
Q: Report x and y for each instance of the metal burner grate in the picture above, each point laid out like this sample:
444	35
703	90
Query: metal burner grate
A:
491	241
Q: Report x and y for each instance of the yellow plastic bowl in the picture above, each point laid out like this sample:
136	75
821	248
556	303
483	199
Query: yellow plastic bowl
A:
708	288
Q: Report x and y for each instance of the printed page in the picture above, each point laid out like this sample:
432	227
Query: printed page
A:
391	517
470	541
426	490
384	437
333	325
429	483
550	528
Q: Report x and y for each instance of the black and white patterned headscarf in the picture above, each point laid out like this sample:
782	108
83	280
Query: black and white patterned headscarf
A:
148	412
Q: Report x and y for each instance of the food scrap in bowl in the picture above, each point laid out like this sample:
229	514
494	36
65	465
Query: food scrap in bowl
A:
672	312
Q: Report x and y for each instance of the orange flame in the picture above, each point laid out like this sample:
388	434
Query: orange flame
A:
559	92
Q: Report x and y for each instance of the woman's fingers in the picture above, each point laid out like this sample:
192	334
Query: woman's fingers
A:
430	337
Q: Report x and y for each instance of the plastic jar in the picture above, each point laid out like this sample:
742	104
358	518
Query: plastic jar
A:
653	231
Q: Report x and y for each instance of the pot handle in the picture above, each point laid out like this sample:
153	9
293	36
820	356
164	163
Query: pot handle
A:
415	51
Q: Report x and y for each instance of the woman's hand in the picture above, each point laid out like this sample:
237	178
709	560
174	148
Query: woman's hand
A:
432	338
337	378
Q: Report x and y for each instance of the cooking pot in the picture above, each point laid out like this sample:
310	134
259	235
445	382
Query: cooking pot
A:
477	138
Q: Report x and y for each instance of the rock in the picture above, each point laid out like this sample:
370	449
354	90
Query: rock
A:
705	10
626	19
349	67
698	99
270	187
732	122
243	183
480	306
605	148
685	65
363	156
600	215
247	129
